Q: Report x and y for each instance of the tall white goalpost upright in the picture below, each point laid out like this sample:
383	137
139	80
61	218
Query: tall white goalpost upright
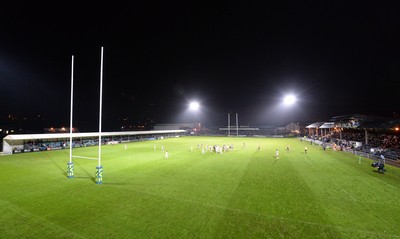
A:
99	168
229	124
70	164
237	125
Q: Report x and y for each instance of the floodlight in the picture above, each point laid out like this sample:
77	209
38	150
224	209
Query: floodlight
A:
194	106
289	100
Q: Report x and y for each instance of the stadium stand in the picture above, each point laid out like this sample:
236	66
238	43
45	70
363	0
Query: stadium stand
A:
373	136
22	143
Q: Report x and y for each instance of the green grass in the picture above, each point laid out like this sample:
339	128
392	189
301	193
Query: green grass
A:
239	194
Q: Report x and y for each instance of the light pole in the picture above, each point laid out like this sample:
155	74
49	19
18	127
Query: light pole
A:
288	101
194	106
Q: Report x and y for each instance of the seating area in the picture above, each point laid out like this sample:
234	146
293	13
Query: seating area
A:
43	145
385	143
23	143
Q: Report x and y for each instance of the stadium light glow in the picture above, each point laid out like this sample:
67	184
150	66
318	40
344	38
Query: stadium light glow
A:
289	100
194	106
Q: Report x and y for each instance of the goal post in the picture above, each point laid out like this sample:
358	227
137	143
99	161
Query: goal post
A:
70	165
99	168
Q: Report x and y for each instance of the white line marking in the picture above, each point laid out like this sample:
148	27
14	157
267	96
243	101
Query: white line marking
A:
307	159
355	200
263	215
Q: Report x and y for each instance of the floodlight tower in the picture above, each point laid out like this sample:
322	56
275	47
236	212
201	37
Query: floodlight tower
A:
289	100
194	106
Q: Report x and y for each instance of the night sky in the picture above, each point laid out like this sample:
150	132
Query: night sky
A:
231	56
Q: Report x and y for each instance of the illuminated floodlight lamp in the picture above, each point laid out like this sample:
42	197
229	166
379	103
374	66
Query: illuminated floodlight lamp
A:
194	106
289	100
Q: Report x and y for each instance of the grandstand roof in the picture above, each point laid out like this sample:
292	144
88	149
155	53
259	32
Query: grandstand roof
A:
368	122
327	125
85	135
348	117
315	125
359	117
380	124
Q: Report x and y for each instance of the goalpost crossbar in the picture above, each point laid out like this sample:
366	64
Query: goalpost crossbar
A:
84	157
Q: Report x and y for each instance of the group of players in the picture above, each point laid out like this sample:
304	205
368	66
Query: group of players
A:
224	148
220	149
213	148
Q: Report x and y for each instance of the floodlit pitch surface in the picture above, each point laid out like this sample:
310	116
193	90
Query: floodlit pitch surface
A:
240	194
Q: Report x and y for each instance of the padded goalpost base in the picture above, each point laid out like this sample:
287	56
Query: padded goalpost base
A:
70	170
99	175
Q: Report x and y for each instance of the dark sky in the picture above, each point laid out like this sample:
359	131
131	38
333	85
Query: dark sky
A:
232	56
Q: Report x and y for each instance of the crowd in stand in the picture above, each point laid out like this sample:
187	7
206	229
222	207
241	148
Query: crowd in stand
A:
375	140
385	143
40	145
